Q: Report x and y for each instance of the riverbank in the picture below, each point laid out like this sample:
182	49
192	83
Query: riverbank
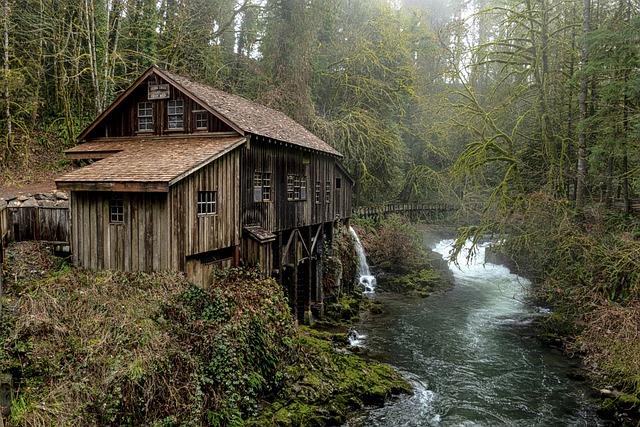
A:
588	274
111	348
472	355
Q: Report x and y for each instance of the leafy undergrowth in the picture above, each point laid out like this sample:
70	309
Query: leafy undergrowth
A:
590	275
119	348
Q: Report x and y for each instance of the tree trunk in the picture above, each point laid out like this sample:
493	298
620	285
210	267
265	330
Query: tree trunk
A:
581	171
6	11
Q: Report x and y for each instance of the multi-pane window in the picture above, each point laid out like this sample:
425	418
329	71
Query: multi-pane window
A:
175	112
207	202
145	116
201	120
318	192
296	187
327	197
262	186
116	211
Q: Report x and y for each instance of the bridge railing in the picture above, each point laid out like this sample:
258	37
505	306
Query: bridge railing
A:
414	211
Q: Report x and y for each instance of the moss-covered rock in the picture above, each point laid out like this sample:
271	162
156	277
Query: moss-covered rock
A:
421	283
328	385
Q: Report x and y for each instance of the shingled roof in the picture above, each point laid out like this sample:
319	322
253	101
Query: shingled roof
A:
156	164
250	116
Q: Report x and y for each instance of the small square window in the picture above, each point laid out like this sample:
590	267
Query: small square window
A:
207	202
116	211
201	120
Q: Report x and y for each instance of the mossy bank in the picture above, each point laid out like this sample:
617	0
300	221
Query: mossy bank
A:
109	348
398	257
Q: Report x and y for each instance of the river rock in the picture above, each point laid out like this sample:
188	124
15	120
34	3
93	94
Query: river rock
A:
61	195
47	203
14	203
31	202
62	204
44	196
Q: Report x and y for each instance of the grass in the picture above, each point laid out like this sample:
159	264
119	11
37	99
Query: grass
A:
106	348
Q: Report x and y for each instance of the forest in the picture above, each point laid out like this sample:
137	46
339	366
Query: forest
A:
524	113
427	99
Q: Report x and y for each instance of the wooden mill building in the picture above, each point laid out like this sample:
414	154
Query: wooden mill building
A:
182	176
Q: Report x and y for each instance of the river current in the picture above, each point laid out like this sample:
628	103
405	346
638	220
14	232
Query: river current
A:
471	356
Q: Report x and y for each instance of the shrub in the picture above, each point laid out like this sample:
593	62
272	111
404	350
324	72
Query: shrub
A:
392	245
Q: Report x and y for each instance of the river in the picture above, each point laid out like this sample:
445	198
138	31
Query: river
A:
471	356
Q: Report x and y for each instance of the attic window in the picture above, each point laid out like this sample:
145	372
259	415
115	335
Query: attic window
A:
175	111
338	182
116	211
207	202
145	117
201	120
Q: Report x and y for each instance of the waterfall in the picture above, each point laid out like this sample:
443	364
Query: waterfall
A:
366	279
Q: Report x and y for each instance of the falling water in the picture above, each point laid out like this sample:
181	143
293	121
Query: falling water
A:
366	279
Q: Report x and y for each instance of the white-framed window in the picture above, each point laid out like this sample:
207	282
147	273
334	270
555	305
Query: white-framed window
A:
296	187
145	116
318	192
201	120
175	113
207	202
116	210
261	186
327	197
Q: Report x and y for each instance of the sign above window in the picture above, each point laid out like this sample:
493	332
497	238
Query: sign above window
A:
158	92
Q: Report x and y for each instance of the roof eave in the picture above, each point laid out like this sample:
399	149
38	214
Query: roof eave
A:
113	186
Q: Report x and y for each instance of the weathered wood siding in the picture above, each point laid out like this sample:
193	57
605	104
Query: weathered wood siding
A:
140	243
256	254
281	160
343	194
193	234
49	224
123	121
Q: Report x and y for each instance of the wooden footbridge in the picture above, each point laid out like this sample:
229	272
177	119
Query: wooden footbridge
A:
412	211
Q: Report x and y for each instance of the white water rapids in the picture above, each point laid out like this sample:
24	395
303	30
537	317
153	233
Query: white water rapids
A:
471	355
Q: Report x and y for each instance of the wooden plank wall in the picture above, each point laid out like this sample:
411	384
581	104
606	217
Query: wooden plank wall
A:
140	243
193	234
49	224
281	214
123	121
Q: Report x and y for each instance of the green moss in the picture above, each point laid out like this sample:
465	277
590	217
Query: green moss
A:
422	282
329	385
137	349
